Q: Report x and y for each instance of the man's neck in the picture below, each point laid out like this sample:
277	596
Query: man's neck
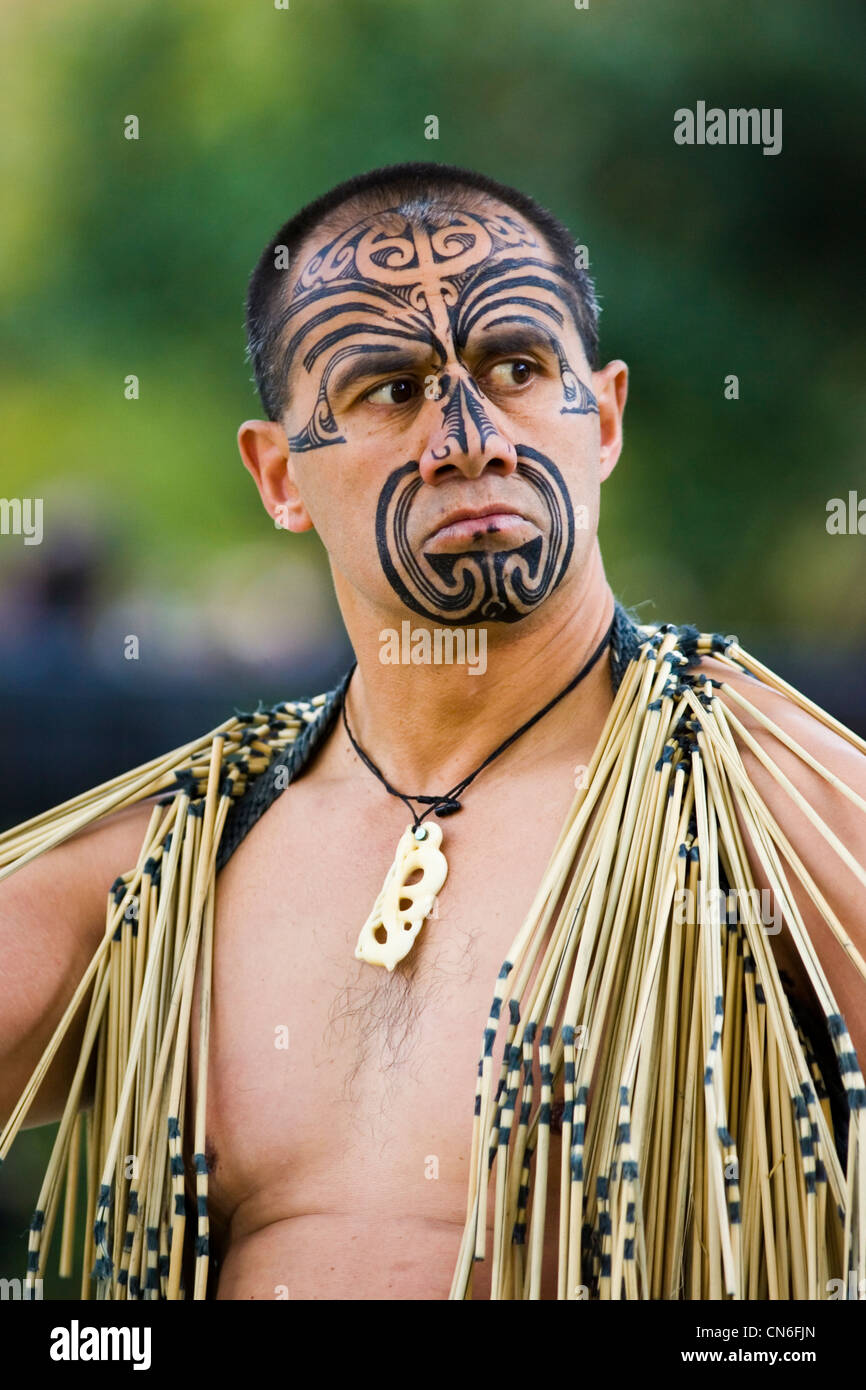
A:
428	725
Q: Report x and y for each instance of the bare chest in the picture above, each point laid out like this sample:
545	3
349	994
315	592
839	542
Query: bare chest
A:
335	1087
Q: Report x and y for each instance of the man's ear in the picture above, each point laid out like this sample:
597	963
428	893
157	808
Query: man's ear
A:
265	452
610	387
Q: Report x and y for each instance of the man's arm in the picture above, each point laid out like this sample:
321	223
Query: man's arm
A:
837	882
52	918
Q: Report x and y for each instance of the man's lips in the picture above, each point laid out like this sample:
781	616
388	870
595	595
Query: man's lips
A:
468	522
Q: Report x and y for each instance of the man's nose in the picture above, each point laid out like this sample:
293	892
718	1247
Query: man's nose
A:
466	437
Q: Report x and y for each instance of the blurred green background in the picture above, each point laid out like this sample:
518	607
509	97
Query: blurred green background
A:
126	257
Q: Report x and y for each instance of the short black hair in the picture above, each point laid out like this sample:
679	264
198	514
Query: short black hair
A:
409	188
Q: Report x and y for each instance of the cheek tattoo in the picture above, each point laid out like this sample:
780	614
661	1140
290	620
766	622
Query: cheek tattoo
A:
322	428
368	282
477	586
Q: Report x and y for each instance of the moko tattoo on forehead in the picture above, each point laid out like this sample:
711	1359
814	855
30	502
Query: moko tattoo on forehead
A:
366	285
477	586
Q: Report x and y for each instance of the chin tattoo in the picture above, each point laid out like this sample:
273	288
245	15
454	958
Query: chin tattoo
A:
477	586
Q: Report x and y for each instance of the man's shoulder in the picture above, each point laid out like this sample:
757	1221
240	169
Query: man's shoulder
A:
754	696
781	735
234	759
763	707
285	739
787	741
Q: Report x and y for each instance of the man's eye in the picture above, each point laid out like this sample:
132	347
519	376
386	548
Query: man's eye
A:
515	372
396	392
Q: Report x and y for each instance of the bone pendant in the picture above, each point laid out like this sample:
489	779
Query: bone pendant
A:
400	909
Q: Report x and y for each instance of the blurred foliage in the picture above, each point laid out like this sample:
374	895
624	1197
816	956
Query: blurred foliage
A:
123	256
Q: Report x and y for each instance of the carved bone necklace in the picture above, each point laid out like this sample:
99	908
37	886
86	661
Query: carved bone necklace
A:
402	906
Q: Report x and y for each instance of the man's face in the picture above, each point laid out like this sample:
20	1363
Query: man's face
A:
443	436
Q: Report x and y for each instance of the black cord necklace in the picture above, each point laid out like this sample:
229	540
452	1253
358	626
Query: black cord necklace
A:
399	911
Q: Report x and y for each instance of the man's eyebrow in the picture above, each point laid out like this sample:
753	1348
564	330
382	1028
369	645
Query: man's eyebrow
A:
367	360
513	333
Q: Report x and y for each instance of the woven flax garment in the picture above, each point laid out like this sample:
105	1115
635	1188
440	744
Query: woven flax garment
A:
714	1158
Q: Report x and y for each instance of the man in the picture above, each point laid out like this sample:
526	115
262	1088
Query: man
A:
426	351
